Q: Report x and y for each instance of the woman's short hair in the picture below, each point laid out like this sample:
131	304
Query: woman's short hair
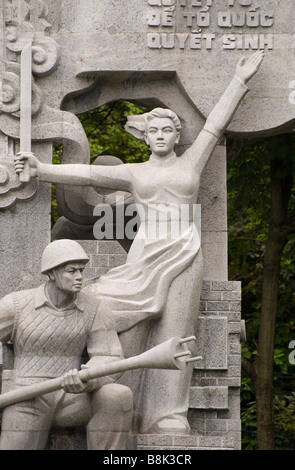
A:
137	125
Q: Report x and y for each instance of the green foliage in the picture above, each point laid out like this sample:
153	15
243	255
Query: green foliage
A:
56	159
106	134
249	423
248	209
284	419
249	201
104	128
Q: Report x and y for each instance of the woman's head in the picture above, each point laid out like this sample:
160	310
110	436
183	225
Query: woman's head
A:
165	114
139	125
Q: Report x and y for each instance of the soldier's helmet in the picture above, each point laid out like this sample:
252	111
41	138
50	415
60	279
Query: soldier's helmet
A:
60	252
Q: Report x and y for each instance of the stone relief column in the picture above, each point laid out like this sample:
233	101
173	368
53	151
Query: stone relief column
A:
177	54
26	227
26	238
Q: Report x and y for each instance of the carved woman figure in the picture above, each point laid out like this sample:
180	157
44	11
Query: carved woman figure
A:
156	293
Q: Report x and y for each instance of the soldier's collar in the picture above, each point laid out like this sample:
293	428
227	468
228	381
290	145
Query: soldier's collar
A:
41	300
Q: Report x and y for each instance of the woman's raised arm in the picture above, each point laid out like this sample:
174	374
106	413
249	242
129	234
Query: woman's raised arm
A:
223	112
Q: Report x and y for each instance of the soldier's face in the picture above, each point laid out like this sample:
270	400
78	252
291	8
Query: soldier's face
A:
69	277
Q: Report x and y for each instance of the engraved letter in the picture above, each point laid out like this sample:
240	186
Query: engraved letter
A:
154	19
168	41
156	3
229	41
243	3
239	19
253	19
167	18
154	40
195	41
240	41
267	19
209	39
266	41
189	16
251	42
224	19
181	39
203	20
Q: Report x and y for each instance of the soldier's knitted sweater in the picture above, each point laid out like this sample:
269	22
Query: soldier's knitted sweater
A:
49	342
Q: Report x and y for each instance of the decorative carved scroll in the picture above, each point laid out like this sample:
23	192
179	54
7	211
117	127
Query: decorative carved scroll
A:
24	21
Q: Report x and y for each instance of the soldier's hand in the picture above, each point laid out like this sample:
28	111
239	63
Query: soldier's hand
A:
71	383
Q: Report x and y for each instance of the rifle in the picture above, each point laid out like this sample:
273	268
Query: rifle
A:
172	354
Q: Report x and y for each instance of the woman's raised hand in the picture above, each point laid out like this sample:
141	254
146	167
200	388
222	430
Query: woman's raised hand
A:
247	68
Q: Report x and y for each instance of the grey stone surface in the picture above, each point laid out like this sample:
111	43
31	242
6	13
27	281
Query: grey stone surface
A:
209	397
114	36
213	340
180	55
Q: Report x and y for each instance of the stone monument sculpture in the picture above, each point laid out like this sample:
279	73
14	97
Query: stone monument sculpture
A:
171	54
154	295
50	326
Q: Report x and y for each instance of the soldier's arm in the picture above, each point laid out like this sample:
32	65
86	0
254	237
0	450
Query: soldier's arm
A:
103	346
7	317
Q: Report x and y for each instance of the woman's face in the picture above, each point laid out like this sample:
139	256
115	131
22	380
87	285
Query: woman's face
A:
161	136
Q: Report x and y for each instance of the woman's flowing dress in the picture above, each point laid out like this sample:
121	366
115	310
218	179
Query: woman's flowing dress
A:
155	295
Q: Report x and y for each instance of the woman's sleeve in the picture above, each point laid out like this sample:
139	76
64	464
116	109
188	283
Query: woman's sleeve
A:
111	177
216	123
103	339
103	345
117	177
